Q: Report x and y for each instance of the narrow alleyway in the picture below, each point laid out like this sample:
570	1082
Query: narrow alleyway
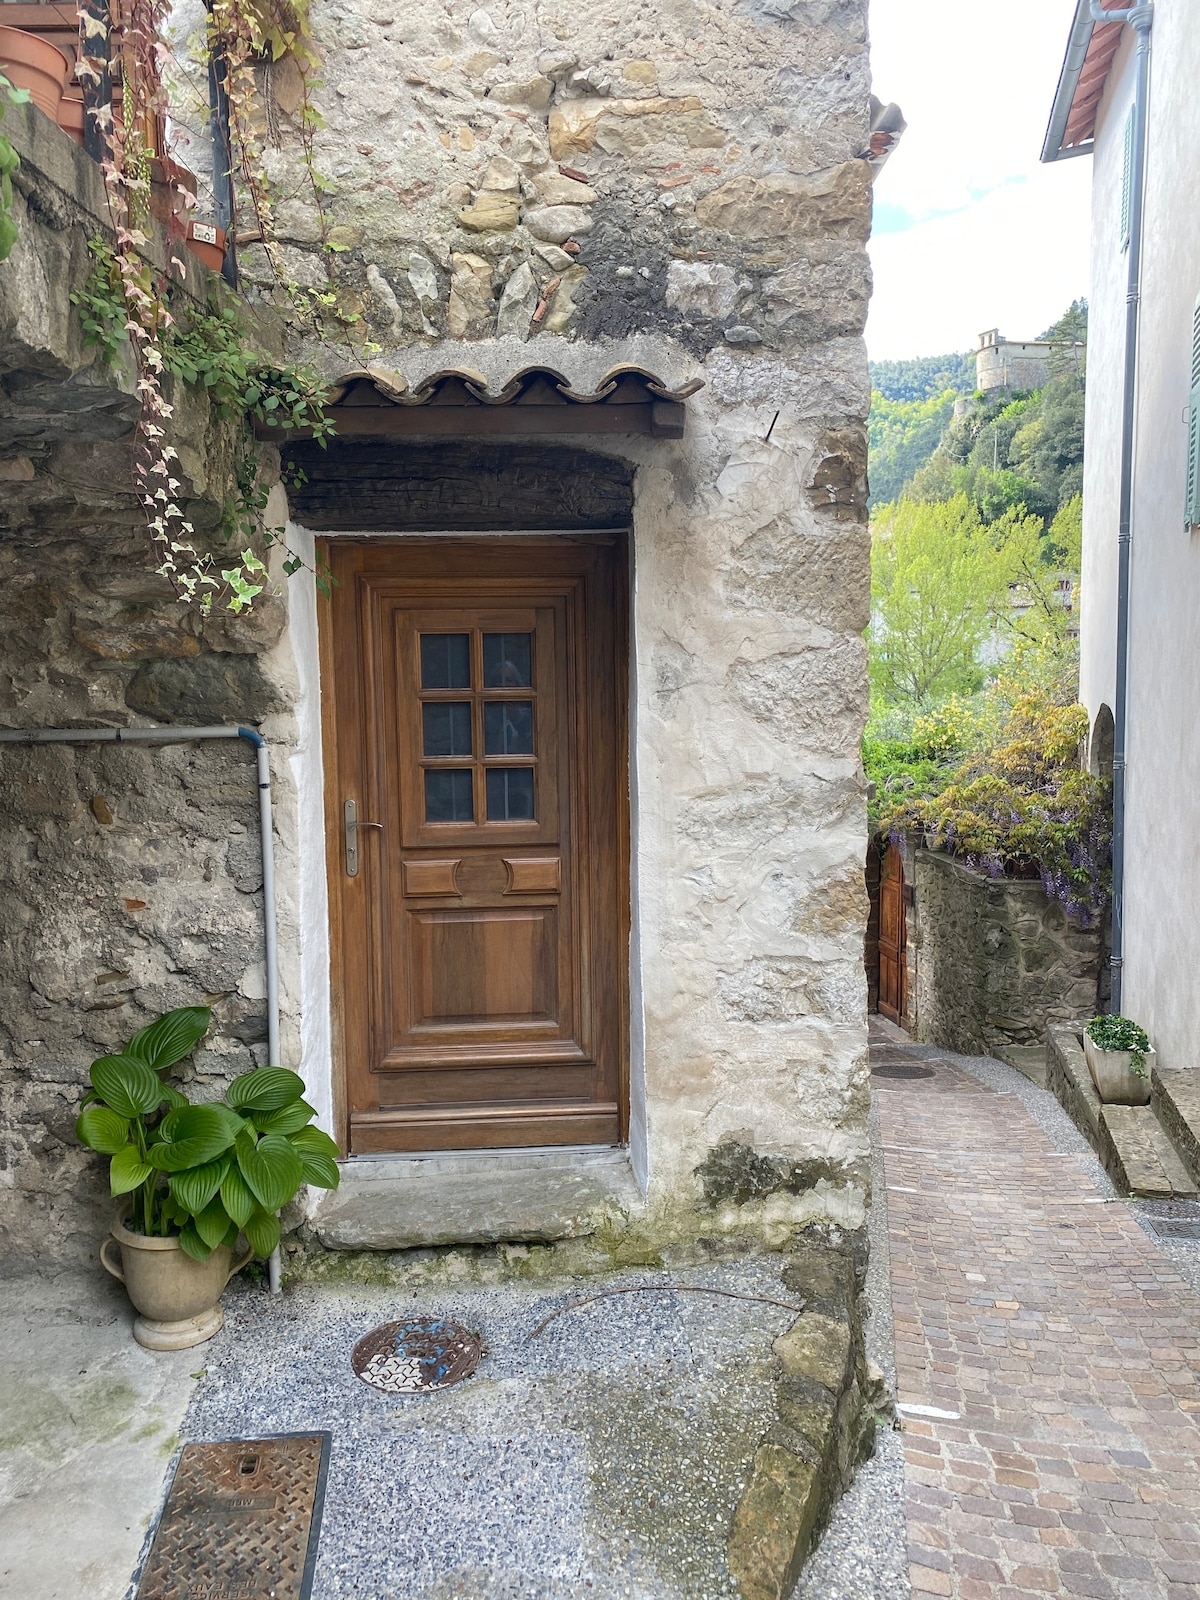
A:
1047	1348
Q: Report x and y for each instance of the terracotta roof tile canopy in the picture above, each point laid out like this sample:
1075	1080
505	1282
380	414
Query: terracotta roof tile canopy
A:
1090	54
374	402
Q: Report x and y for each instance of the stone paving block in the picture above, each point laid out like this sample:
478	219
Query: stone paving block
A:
1066	1342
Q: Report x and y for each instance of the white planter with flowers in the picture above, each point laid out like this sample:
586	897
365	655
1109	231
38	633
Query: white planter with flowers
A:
1120	1058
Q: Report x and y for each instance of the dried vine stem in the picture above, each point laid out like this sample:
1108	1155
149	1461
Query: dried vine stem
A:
134	143
664	1288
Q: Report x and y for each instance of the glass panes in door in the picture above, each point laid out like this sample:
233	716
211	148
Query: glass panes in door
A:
478	727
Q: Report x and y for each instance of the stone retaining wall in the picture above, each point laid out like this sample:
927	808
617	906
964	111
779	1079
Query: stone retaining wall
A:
997	962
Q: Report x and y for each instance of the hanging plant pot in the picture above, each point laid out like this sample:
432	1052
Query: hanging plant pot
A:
178	1299
168	182
70	116
1116	1082
35	64
206	240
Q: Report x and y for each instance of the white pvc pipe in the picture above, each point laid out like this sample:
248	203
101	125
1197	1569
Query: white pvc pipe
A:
266	830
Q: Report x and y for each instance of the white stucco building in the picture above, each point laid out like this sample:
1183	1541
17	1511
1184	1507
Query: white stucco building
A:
1095	113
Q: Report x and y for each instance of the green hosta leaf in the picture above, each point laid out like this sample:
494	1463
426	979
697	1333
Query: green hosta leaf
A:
231	1235
314	1142
169	1039
212	1224
127	1085
192	1244
288	1119
196	1186
174	1097
127	1170
192	1136
262	1233
103	1130
265	1089
236	1197
273	1171
321	1171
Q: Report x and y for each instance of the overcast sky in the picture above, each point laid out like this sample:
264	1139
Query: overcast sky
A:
971	231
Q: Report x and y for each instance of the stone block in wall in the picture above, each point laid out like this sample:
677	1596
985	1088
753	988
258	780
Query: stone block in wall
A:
1000	962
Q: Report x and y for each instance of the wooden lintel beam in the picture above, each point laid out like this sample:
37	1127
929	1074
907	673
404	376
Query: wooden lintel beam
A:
661	419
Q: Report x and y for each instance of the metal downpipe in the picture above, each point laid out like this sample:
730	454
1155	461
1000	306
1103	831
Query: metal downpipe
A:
267	832
1142	19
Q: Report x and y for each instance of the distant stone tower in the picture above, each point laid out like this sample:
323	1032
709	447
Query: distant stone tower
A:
1001	363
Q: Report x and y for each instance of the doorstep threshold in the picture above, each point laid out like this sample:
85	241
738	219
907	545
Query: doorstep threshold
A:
436	1198
539	1151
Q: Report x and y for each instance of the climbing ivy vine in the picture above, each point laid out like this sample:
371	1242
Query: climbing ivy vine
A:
125	297
208	347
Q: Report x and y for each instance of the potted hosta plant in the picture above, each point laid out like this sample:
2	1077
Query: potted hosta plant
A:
194	1179
1119	1058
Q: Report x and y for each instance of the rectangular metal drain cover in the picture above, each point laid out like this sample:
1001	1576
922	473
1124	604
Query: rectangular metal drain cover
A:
241	1522
1176	1227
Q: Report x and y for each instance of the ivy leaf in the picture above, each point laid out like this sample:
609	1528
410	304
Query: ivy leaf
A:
127	1170
102	1129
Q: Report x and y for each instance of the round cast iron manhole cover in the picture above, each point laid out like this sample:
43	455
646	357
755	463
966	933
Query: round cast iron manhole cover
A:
901	1069
416	1357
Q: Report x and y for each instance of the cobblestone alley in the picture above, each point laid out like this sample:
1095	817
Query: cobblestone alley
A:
1047	1349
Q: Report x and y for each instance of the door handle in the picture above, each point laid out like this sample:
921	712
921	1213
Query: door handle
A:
352	825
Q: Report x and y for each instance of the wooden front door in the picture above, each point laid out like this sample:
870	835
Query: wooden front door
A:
893	937
477	840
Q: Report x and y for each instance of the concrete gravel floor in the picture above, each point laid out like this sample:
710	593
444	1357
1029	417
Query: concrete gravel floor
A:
601	1460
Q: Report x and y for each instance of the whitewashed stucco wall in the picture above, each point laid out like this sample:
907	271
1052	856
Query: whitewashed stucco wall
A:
1162	935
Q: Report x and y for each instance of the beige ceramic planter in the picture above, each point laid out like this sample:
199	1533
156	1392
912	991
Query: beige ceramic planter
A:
178	1299
1116	1082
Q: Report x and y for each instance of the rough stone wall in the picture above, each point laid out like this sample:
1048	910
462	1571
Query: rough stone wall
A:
711	224
999	963
678	185
132	875
712	189
129	877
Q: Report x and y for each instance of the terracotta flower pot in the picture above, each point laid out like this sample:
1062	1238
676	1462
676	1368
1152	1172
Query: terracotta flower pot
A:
1116	1082
178	1299
208	242
34	64
70	116
168	181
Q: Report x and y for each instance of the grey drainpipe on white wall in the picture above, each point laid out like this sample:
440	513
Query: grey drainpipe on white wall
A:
266	829
1140	18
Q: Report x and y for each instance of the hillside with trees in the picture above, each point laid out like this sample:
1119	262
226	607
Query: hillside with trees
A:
977	528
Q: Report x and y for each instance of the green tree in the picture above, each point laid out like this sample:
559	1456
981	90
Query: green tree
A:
939	586
902	435
925	378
